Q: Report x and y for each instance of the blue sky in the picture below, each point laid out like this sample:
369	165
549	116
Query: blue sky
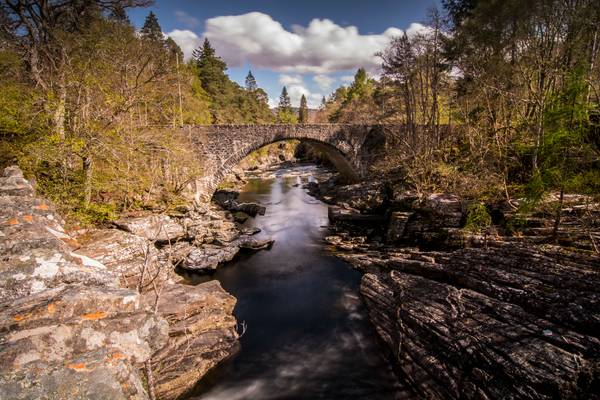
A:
310	46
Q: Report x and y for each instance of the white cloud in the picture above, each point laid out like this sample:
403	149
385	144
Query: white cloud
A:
320	48
417	29
324	82
186	39
187	19
289	80
296	88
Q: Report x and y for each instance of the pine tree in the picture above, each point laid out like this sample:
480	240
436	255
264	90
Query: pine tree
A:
211	69
251	82
285	104
285	114
151	29
303	111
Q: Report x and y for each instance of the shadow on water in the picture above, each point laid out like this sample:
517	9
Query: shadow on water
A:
308	334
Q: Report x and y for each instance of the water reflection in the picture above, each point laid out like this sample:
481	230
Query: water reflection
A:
308	335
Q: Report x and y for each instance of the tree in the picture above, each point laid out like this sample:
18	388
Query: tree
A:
151	29
251	82
41	39
285	114
211	68
303	110
285	104
360	87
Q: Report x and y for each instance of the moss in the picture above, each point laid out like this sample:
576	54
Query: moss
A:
94	214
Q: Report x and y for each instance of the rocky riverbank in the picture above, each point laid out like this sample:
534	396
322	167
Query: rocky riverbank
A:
498	314
101	313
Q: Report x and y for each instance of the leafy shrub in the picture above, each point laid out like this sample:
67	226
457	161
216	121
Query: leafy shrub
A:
478	218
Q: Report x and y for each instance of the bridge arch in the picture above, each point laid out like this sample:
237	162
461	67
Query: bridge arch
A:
350	147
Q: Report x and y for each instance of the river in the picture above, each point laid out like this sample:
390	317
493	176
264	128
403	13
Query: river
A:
308	335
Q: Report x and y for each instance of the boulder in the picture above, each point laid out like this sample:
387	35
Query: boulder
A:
367	197
397	226
254	244
446	209
208	257
225	198
251	209
160	228
240	217
202	332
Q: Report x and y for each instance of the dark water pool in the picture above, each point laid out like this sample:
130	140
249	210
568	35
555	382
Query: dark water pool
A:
308	334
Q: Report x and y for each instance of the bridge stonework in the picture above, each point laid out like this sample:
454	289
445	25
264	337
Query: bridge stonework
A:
352	148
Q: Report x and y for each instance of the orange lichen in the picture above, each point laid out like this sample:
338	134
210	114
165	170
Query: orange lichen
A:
94	316
51	308
13	221
77	366
115	357
28	218
21	317
74	244
43	207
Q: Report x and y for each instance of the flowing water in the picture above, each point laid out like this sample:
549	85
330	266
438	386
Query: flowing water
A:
308	335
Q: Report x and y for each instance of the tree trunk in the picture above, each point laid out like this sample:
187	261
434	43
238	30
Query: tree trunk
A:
87	187
61	98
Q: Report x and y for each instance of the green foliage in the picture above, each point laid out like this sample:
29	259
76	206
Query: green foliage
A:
354	103
478	218
228	102
251	82
285	113
105	159
151	29
94	214
303	110
566	157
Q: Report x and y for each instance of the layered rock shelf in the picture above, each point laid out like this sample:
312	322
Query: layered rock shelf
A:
101	314
499	322
472	316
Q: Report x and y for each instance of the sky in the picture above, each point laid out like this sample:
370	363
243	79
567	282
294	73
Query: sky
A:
310	46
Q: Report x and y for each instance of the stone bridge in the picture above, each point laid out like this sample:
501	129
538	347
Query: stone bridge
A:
352	148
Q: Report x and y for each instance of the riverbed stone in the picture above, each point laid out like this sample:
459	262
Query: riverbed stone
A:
202	332
160	228
209	256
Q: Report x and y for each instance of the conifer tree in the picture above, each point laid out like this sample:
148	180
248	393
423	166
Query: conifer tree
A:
285	104
211	69
285	113
151	28
251	82
303	111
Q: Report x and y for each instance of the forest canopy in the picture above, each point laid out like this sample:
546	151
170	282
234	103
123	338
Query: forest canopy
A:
86	102
500	99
